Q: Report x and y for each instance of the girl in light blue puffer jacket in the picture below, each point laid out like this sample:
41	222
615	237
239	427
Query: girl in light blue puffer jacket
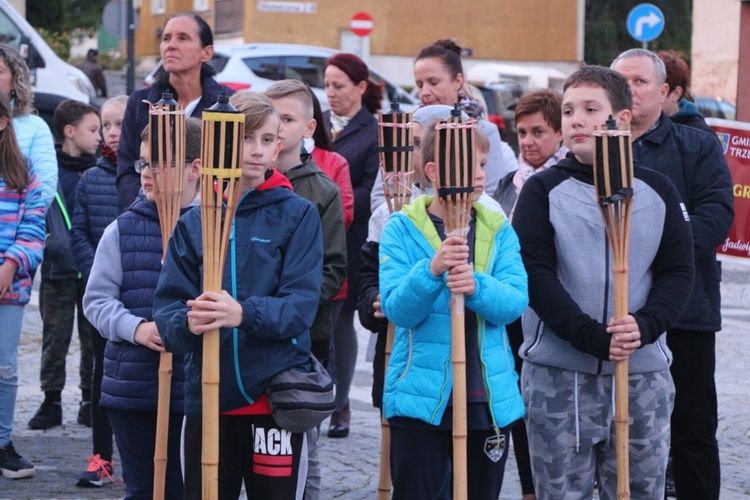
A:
419	268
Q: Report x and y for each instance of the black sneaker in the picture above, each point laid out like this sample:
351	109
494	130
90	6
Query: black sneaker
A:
84	413
13	465
47	416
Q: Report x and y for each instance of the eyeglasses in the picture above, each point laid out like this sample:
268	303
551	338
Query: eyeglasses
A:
140	165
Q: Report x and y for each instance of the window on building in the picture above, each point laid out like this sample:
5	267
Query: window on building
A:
200	5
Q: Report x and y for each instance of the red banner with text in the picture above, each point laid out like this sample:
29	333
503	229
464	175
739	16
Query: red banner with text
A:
735	141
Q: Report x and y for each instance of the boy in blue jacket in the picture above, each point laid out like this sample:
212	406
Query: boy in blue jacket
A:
420	266
271	284
571	339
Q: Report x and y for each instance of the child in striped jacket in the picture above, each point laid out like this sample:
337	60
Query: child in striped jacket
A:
22	230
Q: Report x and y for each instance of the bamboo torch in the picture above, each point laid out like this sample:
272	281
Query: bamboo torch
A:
454	157
221	152
613	176
396	147
167	142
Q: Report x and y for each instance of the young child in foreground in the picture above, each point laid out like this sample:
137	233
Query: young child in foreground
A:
271	286
420	266
571	339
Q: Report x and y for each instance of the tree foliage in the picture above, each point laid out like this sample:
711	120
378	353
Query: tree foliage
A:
607	34
65	19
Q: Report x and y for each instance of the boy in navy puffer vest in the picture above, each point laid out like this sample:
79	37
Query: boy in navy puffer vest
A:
97	205
118	301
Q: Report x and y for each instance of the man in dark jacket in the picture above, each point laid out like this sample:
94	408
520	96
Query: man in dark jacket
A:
93	70
693	160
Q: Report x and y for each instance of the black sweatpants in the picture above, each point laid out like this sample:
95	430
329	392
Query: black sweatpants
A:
518	429
695	451
101	430
272	461
421	460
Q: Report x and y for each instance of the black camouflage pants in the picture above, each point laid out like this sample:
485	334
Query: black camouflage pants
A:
58	300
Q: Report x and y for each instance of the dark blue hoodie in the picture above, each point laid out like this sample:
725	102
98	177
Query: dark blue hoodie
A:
273	268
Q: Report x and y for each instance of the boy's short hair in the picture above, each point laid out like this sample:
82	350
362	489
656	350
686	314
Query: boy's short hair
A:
613	83
193	132
255	106
70	112
544	101
293	88
428	141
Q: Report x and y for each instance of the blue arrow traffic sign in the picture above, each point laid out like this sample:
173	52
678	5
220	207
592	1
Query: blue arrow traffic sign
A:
645	22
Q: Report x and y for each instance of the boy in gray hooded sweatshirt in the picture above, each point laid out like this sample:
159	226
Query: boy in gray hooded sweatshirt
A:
571	339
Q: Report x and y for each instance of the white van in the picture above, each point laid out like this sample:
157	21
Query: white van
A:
53	79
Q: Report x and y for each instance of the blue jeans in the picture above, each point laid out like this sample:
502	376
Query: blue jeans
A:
11	317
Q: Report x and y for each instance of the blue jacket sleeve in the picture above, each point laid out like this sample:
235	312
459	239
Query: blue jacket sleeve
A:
179	281
44	158
291	311
502	296
80	232
408	289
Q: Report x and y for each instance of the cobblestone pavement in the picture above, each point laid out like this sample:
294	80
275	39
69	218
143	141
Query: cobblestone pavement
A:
350	466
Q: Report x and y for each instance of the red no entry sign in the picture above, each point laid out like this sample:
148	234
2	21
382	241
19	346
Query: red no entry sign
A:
361	24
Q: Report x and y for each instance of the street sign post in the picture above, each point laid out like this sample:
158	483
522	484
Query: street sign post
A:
361	24
645	23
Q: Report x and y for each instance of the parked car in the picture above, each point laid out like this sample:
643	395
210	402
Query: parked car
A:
716	107
256	66
52	79
501	98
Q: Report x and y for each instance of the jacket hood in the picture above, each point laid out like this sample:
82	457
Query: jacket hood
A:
571	164
106	165
687	110
148	209
306	168
416	211
275	179
145	208
274	189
